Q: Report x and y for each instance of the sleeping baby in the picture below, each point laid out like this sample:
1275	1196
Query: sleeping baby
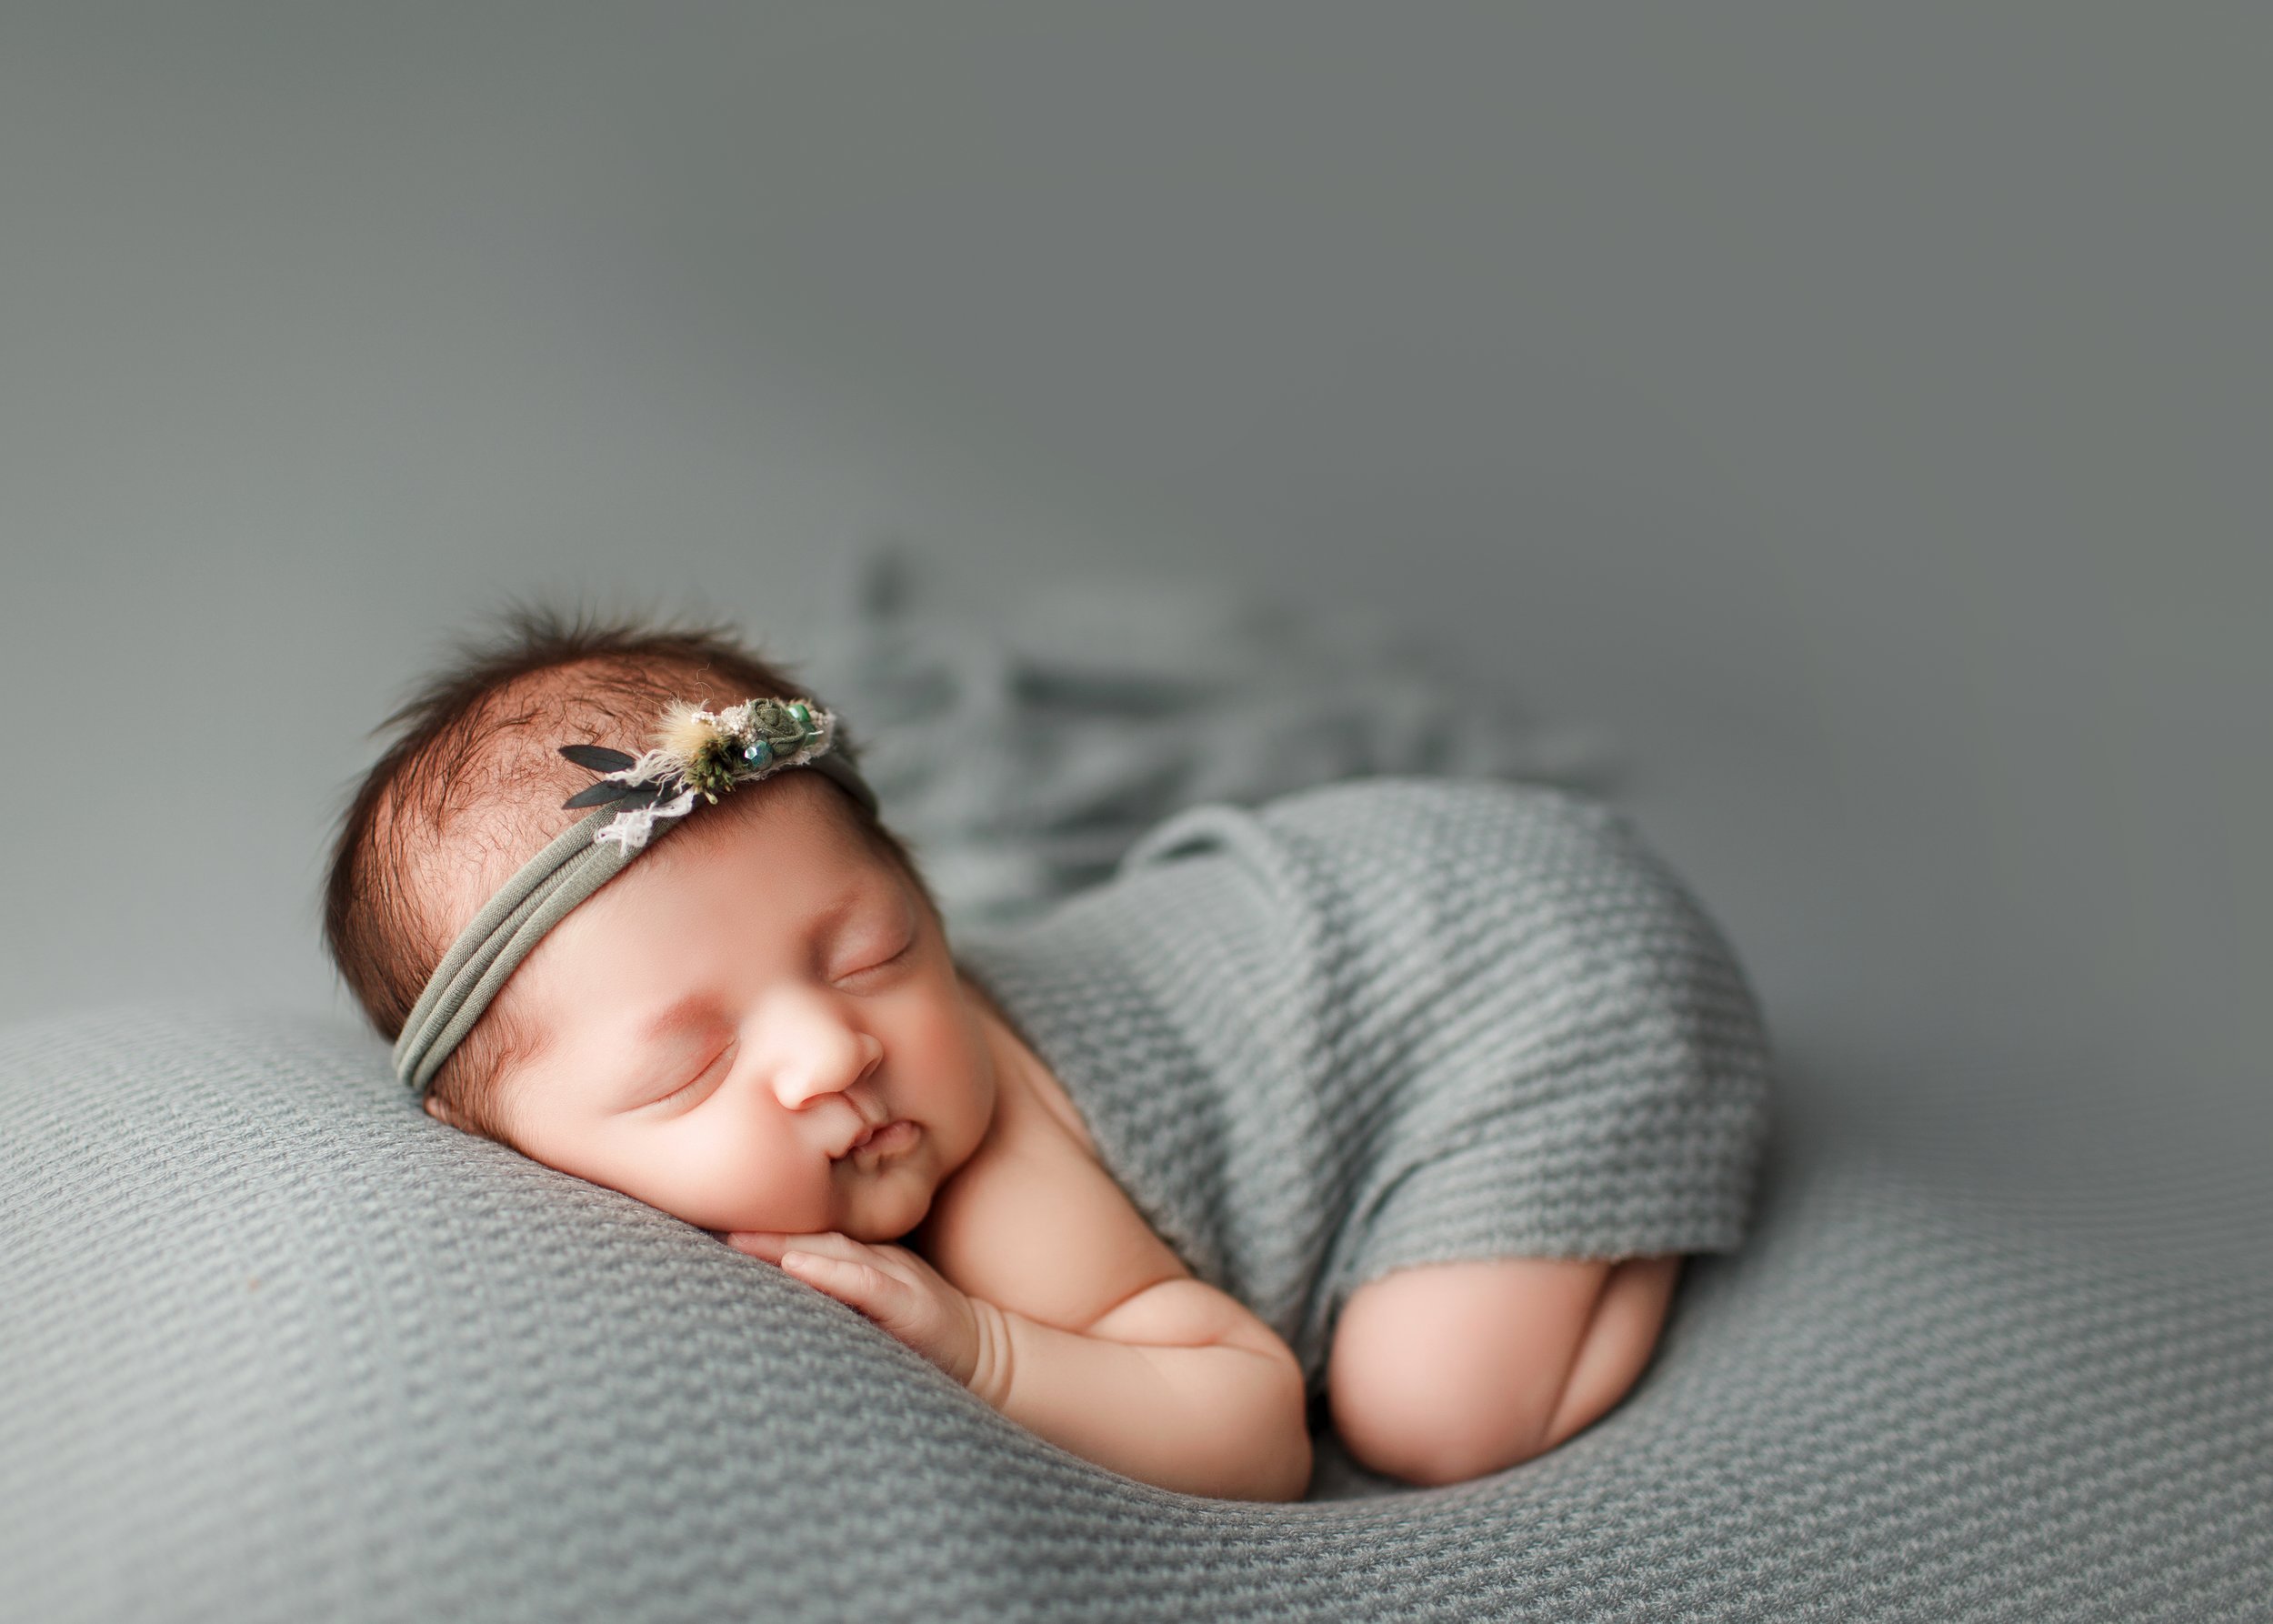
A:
1400	1100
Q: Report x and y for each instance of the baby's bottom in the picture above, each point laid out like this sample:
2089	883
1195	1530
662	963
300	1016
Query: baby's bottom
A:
1445	1371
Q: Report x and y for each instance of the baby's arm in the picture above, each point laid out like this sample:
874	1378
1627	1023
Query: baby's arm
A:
1180	1385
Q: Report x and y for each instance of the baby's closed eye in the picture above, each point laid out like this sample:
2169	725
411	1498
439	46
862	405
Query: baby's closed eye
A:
867	963
717	1065
880	964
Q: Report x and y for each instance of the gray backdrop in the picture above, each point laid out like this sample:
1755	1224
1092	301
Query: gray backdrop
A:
1862	418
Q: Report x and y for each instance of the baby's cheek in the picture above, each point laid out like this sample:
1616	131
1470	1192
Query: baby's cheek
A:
721	1184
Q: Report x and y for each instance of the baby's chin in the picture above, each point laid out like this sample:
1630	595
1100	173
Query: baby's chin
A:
890	1208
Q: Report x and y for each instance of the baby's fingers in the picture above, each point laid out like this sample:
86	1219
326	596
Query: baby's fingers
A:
860	1276
849	1281
770	1244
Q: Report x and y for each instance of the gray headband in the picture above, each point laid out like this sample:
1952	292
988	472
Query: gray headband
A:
702	757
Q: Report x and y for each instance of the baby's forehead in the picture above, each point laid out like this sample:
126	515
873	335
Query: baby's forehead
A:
484	843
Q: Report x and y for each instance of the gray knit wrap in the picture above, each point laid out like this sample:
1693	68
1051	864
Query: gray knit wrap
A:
540	894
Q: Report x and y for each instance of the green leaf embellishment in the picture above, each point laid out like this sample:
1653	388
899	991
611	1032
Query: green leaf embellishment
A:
628	795
598	758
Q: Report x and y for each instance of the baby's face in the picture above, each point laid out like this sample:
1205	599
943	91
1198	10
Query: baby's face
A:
723	1018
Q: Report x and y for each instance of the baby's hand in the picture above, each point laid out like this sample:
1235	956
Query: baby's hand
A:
889	1284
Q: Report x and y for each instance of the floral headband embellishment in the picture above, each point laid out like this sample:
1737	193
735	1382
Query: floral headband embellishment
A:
702	753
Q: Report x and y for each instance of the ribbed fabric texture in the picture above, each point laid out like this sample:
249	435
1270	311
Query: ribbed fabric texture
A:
276	1347
1395	1021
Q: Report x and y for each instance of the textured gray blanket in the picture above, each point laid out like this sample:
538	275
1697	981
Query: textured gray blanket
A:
274	1346
1396	1022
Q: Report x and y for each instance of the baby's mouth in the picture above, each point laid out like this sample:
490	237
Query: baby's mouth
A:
889	1139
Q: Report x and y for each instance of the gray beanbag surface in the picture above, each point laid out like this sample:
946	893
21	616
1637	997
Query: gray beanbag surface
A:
274	1346
277	1346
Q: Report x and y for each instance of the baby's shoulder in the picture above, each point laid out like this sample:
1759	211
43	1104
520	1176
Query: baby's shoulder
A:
1033	1223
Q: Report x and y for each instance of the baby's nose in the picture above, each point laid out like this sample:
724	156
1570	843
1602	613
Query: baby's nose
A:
827	1059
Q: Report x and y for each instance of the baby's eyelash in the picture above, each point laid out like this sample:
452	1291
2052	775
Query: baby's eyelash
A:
880	962
699	1076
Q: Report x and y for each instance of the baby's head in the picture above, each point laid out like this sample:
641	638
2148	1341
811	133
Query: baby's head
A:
711	1030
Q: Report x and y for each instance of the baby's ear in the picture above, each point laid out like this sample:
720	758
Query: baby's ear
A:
441	1113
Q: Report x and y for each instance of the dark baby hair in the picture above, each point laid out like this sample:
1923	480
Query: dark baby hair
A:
472	756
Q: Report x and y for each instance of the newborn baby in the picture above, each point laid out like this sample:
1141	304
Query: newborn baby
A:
759	1026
